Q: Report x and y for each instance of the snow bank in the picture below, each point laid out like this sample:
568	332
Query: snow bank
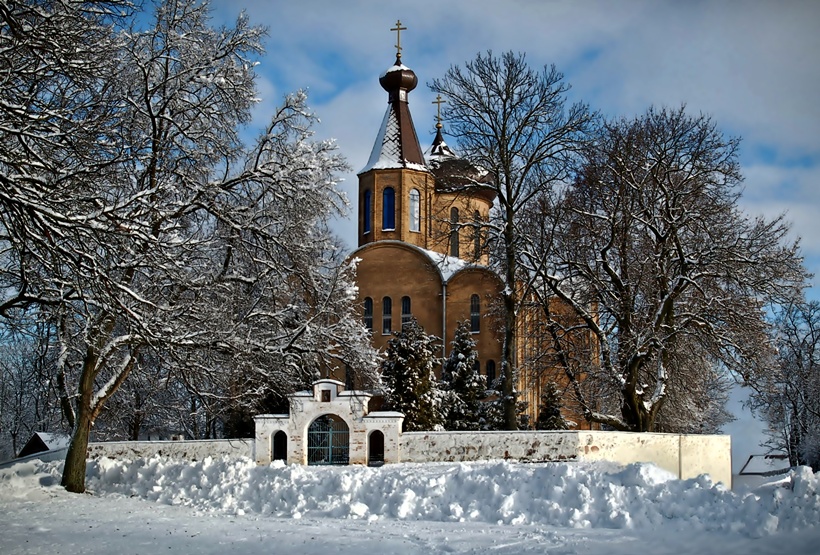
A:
573	495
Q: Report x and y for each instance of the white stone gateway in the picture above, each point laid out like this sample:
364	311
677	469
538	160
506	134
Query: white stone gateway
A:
328	425
332	426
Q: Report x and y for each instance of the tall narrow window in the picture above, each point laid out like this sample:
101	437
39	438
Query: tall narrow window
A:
350	383
406	314
387	315
476	235
367	211
475	314
368	313
454	232
415	210
490	373
389	209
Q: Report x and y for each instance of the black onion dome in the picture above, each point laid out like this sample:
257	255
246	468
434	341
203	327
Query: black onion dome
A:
397	77
397	145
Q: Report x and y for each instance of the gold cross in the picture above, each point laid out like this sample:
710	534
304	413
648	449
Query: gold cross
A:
438	102
398	28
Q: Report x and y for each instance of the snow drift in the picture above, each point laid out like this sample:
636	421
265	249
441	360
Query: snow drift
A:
574	495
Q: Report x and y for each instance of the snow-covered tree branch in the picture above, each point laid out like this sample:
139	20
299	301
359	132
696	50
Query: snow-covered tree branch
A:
135	217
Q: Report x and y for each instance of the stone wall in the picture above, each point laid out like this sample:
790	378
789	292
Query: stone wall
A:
192	450
481	446
686	456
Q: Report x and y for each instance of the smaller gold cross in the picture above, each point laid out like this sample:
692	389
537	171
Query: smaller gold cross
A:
438	102
398	28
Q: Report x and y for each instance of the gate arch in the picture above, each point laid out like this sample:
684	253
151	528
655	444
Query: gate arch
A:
280	446
328	441
375	448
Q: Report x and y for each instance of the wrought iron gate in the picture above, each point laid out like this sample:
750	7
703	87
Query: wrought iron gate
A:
328	441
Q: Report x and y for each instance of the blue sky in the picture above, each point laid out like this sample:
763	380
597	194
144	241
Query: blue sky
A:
751	65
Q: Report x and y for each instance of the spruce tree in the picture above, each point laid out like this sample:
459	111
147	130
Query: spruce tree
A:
407	374
549	410
464	386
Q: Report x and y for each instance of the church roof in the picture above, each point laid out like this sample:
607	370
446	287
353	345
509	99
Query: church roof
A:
446	266
439	149
397	145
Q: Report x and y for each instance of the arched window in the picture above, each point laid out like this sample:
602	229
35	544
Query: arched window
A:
367	211
475	314
387	315
368	313
406	313
454	232
415	210
388	209
490	373
476	235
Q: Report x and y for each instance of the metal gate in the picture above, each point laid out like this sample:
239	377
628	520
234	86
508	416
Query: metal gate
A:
328	441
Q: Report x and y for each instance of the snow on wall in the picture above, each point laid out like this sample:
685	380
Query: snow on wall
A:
191	450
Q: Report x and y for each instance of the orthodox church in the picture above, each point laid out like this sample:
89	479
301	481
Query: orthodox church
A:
421	248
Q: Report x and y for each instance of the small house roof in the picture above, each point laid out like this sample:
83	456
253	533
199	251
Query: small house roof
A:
765	465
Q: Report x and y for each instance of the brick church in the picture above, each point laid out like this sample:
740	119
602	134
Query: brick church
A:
421	247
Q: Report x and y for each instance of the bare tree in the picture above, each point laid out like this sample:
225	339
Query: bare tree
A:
177	241
660	267
28	398
511	120
788	396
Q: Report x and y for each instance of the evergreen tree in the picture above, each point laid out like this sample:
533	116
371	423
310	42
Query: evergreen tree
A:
549	410
407	374
463	385
491	415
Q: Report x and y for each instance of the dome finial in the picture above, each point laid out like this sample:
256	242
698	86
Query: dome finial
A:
439	149
398	28
438	102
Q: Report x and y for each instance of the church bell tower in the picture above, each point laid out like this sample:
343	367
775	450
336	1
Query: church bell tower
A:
395	186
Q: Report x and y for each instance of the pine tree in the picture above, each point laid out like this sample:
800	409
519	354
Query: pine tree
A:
407	374
549	410
464	386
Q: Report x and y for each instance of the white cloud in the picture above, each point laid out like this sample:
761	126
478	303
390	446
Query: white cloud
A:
750	64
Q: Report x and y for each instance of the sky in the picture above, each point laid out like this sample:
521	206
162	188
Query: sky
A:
750	65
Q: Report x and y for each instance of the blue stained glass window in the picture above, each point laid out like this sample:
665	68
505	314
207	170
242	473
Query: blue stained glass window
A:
389	209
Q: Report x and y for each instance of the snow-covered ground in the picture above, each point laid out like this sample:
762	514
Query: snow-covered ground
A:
219	506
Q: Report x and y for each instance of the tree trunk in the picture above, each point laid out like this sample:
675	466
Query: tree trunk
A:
507	373
74	471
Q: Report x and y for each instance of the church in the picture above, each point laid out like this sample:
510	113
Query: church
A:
421	250
420	247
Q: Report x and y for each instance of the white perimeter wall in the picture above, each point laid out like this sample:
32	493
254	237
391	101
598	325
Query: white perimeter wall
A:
686	456
192	450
